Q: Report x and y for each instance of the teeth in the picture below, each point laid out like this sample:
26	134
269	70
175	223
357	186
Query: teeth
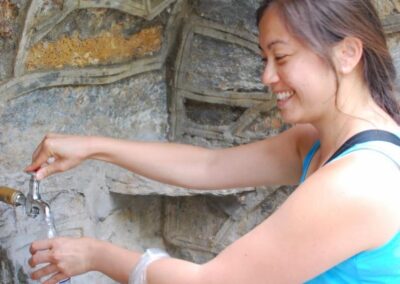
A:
284	95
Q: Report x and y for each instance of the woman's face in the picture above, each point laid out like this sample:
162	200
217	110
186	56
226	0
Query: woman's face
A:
304	85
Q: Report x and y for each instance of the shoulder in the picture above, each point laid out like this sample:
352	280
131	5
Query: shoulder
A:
339	211
364	187
366	172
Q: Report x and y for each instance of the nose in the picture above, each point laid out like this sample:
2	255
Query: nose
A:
270	74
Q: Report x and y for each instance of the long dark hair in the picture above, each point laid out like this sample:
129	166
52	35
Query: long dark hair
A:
322	23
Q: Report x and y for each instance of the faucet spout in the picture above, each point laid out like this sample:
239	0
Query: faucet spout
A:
33	203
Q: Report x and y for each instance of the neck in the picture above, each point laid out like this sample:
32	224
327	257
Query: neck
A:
353	112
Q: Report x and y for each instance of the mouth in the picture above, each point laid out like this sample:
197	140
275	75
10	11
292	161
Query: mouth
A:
283	97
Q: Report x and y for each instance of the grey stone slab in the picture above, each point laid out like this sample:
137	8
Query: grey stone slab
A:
198	228
11	26
135	108
235	14
128	183
218	59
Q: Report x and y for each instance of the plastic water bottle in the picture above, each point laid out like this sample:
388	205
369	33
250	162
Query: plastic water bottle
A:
36	207
52	233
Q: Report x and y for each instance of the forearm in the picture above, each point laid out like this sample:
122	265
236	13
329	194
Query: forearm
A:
172	270
118	264
177	164
114	261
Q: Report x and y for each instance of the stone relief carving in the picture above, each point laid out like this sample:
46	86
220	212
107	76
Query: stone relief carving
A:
42	16
8	12
220	93
193	82
198	229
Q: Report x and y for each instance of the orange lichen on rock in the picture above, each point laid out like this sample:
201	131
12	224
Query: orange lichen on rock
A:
108	47
8	12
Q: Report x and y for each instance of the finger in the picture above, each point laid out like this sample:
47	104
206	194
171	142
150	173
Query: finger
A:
44	271
33	167
41	245
44	256
50	160
43	152
47	170
38	159
45	143
56	278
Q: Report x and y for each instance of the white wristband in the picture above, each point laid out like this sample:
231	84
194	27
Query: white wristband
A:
138	274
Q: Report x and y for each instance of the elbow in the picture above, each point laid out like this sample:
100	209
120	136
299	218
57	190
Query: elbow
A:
213	272
198	174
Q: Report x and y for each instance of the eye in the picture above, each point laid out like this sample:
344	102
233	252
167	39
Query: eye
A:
280	57
264	60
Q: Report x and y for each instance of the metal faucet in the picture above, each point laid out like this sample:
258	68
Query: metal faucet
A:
34	204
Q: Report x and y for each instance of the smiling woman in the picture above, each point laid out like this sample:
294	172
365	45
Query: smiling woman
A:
299	98
329	25
329	67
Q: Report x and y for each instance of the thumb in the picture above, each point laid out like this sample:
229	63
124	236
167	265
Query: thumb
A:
47	170
38	159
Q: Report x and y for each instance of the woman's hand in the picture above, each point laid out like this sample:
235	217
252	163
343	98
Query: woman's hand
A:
65	257
58	153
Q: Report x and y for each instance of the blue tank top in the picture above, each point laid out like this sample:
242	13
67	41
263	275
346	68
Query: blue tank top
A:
380	265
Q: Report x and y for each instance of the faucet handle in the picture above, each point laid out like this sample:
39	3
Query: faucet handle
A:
31	206
34	187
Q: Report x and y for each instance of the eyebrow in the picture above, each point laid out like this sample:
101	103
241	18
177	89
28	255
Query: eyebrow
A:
271	44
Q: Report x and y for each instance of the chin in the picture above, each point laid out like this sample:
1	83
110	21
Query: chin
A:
290	118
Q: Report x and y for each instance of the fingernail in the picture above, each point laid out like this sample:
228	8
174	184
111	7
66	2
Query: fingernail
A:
39	175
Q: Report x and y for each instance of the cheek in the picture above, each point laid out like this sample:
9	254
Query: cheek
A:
295	76
309	76
314	77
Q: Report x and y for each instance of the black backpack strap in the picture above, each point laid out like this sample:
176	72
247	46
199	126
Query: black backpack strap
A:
365	136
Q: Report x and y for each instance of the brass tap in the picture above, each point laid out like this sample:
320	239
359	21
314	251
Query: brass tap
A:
12	196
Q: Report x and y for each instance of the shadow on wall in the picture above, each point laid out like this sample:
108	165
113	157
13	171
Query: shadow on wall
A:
7	270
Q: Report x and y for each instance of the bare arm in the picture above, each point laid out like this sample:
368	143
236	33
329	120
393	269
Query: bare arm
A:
341	210
272	161
334	215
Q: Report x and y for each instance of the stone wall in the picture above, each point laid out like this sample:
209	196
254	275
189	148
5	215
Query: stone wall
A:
185	71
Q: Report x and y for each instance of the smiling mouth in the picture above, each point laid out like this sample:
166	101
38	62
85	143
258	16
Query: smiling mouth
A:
283	96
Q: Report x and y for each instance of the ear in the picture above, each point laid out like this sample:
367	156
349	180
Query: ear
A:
347	54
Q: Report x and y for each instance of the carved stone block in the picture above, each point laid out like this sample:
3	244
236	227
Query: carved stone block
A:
217	91
198	228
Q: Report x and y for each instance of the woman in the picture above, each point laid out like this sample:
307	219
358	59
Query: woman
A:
329	67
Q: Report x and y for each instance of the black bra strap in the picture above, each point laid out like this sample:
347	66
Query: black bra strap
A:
365	136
